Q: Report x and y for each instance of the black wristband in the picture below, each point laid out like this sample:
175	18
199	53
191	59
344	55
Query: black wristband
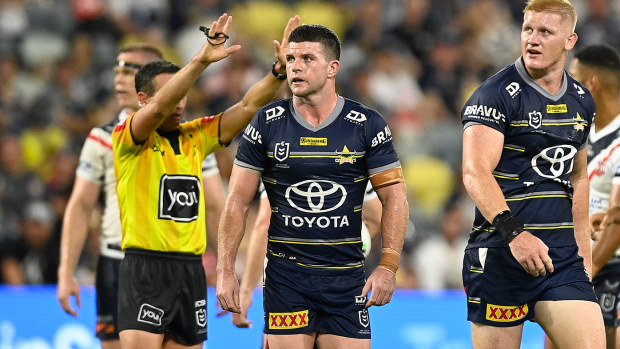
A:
275	73
507	225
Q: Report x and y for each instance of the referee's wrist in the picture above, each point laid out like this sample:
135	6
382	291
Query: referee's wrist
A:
274	70
508	226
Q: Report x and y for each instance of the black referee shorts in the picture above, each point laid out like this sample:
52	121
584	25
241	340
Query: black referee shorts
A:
163	292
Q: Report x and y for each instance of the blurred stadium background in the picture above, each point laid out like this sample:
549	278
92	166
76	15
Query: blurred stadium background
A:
415	61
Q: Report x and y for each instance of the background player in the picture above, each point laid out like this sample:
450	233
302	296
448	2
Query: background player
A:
95	175
597	67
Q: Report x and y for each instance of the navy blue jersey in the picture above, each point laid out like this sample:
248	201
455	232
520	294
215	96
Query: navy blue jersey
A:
542	134
315	179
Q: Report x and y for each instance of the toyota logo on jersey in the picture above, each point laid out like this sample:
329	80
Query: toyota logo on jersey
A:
316	196
554	162
179	197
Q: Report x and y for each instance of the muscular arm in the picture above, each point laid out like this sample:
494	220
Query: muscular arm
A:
214	205
581	185
242	188
150	117
394	218
394	215
257	249
482	149
73	235
609	241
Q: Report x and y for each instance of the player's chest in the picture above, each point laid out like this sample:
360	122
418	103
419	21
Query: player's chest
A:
544	123
335	148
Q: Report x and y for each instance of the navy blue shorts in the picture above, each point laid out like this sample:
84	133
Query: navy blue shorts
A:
106	286
296	302
500	293
607	287
163	293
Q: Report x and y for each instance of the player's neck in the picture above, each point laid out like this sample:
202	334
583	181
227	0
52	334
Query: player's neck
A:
551	79
315	109
606	112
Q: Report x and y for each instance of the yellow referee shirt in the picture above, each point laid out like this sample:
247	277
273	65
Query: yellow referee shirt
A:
159	185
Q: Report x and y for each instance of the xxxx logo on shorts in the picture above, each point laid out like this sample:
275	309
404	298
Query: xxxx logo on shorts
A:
503	313
288	320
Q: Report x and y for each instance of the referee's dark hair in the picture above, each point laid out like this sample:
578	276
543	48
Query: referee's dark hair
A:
599	56
146	75
318	33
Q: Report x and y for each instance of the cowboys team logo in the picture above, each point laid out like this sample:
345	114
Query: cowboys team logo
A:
281	151
535	119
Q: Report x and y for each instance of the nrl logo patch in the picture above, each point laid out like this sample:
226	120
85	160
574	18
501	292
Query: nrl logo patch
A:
535	119
281	151
363	317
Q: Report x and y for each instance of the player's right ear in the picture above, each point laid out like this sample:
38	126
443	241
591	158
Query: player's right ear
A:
142	99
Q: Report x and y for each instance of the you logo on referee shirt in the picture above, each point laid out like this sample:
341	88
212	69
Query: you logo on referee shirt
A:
179	198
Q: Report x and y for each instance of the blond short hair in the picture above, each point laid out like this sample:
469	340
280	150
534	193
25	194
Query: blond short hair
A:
562	7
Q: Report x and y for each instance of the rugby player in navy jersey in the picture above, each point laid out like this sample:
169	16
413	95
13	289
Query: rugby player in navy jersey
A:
315	153
524	166
597	67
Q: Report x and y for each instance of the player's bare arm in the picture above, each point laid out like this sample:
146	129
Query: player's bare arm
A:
73	236
237	117
394	218
159	107
482	149
581	193
242	188
257	248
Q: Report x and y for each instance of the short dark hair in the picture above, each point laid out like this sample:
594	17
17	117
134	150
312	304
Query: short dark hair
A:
321	34
148	72
599	56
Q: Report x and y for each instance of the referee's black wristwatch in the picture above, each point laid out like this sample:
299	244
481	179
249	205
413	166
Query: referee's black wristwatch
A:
275	73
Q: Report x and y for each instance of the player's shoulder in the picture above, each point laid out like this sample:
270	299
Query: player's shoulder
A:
358	113
505	83
276	109
576	87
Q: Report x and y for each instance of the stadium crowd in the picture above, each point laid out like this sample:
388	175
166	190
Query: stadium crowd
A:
415	61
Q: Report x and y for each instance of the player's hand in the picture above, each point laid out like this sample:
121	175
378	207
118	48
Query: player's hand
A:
227	291
281	47
596	220
67	287
241	320
214	48
382	283
532	254
611	216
